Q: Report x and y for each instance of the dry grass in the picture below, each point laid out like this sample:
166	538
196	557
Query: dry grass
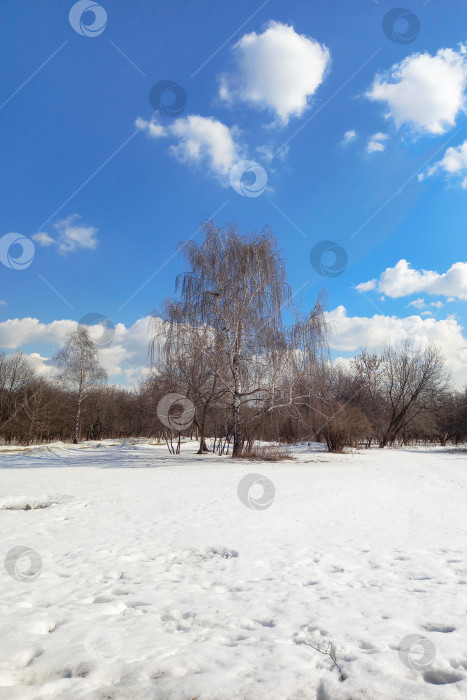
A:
267	453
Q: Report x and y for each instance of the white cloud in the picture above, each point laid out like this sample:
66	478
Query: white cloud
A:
72	235
454	162
204	139
349	333
125	359
366	286
16	332
418	303
349	137
279	70
199	140
43	238
43	365
376	142
423	91
153	128
402	280
2	302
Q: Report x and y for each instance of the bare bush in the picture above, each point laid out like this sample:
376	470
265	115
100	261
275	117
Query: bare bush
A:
346	427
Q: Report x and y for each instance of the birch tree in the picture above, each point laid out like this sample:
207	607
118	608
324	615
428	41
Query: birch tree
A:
79	370
236	288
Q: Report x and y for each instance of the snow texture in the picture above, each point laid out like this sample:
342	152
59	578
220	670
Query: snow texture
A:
138	574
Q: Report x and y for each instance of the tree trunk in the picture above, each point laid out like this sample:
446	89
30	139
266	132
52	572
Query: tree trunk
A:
237	442
202	441
78	412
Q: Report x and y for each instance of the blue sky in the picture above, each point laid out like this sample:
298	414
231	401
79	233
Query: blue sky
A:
105	187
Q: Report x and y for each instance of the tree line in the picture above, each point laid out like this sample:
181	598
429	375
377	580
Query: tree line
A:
245	363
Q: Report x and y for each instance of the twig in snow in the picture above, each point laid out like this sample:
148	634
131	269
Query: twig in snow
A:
328	649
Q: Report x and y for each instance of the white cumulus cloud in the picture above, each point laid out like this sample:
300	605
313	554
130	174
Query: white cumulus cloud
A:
279	70
366	286
423	91
204	139
402	280
350	333
125	359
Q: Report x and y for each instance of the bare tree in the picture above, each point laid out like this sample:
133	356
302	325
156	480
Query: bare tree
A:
300	398
368	393
406	380
235	289
16	379
79	370
190	363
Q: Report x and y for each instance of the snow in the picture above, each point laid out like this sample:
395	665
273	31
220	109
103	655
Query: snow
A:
151	577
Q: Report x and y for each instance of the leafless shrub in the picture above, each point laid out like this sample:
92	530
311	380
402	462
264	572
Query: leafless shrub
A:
346	427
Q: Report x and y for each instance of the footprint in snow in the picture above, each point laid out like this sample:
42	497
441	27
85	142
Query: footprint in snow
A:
445	629
102	599
437	677
266	623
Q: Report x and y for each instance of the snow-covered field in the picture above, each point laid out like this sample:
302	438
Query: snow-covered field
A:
150	578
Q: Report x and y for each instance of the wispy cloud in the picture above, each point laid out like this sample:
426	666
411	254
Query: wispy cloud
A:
43	239
376	143
71	236
199	140
454	163
349	137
